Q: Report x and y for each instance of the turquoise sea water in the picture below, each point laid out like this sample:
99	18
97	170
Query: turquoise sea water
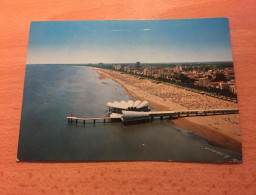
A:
53	92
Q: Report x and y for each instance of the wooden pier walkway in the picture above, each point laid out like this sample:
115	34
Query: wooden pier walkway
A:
192	113
72	119
133	116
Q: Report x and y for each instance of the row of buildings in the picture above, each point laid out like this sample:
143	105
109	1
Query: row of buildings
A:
198	75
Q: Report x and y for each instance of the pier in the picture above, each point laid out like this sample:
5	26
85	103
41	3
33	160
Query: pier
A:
129	116
74	119
191	113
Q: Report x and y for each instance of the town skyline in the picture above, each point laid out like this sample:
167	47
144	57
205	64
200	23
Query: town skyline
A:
209	78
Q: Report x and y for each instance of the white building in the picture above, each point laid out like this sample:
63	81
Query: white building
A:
232	88
224	86
118	67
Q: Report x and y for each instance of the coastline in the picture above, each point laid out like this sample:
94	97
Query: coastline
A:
219	130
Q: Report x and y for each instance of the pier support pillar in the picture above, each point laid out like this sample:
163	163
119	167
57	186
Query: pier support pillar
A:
161	117
94	121
152	118
104	120
84	121
76	121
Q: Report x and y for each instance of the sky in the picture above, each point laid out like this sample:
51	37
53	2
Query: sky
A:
129	41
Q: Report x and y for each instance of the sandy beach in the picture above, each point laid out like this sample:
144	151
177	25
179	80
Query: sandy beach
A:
220	130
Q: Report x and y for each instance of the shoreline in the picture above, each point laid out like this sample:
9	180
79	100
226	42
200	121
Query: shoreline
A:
210	129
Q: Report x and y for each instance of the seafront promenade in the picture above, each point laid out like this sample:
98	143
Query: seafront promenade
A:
211	94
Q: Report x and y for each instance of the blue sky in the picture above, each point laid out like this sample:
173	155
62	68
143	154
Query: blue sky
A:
117	41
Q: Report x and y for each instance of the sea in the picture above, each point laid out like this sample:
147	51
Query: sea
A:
53	92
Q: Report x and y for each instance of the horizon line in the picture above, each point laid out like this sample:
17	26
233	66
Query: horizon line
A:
137	61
